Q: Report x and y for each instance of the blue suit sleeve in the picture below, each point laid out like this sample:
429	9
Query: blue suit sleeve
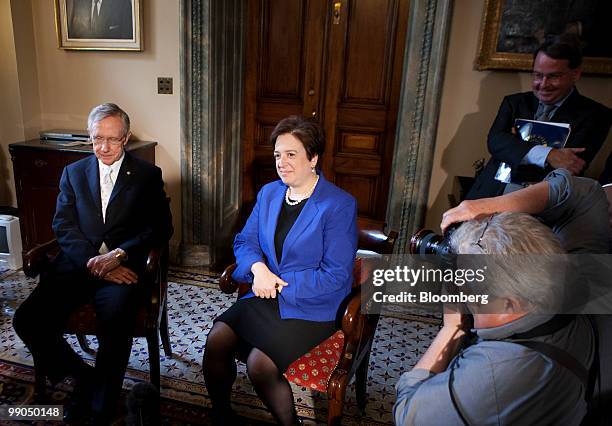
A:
73	242
336	267
246	246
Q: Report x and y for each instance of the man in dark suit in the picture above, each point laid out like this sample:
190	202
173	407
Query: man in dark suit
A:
556	68
106	19
110	212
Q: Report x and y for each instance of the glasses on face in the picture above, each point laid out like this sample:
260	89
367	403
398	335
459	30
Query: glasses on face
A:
479	241
99	140
553	77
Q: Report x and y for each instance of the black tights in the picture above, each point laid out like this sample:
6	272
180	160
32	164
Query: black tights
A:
219	367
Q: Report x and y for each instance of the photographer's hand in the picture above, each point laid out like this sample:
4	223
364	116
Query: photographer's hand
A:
466	210
530	200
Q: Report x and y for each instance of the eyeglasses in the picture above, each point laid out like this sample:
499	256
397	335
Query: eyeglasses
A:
553	77
479	241
99	140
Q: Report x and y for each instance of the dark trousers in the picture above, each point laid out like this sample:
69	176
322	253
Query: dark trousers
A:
41	318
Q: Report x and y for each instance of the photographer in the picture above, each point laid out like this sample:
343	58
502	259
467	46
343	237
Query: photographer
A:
496	378
575	208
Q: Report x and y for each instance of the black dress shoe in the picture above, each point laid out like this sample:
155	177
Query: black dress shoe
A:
224	417
78	409
77	413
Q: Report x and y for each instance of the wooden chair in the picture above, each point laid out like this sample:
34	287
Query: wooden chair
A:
329	366
151	319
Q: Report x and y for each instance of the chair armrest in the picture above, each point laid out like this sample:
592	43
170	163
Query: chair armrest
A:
358	327
155	283
226	282
36	259
153	261
377	241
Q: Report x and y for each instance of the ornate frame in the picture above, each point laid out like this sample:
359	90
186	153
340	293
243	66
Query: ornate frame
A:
489	58
64	42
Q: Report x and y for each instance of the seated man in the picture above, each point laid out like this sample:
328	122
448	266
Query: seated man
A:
556	69
498	379
110	212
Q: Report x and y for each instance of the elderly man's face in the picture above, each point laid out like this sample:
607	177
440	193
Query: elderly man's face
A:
108	139
552	78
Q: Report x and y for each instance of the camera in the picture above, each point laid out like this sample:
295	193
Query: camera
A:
427	241
433	247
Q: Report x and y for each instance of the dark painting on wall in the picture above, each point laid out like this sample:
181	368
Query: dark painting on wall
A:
512	29
99	24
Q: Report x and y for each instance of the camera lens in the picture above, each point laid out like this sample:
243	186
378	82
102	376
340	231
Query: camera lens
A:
424	241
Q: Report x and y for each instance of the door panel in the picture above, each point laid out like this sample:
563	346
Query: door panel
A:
344	71
282	47
369	42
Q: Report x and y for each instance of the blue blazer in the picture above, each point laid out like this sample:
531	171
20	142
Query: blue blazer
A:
318	253
137	216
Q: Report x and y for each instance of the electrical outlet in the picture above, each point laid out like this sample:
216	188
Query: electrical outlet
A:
164	85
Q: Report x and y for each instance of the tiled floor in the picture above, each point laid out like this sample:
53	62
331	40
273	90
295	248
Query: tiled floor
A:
192	304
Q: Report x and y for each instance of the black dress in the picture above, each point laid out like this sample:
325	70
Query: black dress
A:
258	323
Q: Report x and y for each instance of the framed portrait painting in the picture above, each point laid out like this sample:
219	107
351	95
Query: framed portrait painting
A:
511	30
99	24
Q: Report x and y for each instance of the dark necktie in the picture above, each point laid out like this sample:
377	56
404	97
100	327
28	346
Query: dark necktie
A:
544	112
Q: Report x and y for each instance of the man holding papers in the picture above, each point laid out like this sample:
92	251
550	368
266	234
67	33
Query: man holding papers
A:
554	98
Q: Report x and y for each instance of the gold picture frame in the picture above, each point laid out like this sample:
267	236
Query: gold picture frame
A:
497	22
117	25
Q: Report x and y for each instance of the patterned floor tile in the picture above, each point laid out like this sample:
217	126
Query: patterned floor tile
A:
398	343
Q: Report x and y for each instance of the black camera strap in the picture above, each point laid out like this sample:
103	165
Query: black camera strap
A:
561	357
556	354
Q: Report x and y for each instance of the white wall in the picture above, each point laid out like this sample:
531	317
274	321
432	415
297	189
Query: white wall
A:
11	120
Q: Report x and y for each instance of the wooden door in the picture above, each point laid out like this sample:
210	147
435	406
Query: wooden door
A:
339	62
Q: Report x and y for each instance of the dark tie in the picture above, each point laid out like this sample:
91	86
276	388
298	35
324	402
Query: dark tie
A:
544	112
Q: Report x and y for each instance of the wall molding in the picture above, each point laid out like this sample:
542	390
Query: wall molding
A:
424	66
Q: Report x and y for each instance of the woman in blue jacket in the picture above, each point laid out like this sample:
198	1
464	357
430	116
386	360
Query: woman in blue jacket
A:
297	250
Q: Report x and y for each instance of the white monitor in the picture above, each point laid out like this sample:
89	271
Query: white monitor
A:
10	243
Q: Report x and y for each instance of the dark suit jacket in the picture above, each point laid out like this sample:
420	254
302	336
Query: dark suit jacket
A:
137	217
318	253
606	175
113	22
589	121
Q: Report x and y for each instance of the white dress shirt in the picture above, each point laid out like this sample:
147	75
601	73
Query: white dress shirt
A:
106	188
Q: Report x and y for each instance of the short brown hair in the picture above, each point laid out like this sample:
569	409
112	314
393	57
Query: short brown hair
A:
562	46
307	131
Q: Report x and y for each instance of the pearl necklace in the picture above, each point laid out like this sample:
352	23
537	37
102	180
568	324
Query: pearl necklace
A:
300	197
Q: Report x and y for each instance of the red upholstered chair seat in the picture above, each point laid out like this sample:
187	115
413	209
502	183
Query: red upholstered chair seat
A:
314	368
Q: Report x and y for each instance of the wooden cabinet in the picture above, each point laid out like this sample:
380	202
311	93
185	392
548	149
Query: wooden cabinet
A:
38	168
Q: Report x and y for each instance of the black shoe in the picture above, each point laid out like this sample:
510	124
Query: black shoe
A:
224	417
78	409
143	405
77	413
